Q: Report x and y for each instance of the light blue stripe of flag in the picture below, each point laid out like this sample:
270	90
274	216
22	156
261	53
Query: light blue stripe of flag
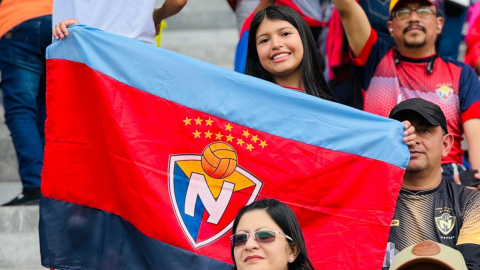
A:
234	97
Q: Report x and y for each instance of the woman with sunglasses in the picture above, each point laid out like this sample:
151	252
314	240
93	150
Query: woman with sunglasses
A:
266	235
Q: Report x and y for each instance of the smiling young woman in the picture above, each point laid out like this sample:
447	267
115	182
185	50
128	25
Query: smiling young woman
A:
281	49
266	235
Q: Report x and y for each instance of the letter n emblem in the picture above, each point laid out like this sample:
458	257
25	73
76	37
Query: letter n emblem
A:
206	207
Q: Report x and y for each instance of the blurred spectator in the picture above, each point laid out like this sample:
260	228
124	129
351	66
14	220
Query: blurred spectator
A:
472	39
473	12
413	69
428	255
25	32
134	19
449	41
243	9
429	207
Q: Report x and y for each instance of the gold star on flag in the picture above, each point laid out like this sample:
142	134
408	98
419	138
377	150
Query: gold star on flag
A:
245	133
197	134
187	121
240	141
228	127
250	147
230	138
263	143
198	121
208	134
255	138
218	136
209	122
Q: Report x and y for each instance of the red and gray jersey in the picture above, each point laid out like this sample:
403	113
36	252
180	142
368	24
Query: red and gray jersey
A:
451	85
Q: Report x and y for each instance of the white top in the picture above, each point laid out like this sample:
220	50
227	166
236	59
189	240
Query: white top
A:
129	18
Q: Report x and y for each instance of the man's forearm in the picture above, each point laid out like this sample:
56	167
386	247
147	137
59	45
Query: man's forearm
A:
169	8
355	22
344	5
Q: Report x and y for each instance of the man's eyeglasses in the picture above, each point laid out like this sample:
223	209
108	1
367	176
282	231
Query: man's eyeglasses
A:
241	239
405	13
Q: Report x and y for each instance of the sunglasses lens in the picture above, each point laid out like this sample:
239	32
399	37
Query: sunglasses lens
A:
265	236
240	239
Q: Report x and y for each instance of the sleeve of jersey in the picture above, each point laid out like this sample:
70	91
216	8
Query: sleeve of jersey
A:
469	94
368	51
369	58
469	238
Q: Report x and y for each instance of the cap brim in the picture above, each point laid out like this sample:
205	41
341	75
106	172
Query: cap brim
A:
424	1
431	120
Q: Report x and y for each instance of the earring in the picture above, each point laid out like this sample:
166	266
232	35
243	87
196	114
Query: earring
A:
391	30
439	27
291	259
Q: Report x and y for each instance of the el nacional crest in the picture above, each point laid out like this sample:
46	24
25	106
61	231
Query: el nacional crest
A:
445	92
208	189
445	223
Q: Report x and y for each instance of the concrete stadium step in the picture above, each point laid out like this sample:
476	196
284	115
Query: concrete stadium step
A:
19	248
8	158
8	191
213	46
202	14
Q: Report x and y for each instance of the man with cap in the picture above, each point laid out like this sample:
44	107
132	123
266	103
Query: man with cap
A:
411	69
428	206
428	255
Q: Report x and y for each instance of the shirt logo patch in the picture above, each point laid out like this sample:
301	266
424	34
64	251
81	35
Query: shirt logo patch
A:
445	223
395	223
445	92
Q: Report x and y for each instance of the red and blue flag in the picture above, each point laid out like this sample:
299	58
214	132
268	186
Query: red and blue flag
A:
150	154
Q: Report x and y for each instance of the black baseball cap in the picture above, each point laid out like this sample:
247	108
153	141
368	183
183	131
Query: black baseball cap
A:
429	111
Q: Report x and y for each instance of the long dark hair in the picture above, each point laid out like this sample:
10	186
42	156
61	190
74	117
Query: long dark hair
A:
287	221
311	68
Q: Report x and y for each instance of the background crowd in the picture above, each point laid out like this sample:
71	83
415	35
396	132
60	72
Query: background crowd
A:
368	54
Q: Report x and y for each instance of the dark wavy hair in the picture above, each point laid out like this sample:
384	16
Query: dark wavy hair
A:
287	221
311	68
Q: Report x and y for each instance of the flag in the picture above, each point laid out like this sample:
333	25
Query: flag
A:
150	154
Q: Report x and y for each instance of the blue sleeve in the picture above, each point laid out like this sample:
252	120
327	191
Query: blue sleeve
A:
469	88
469	93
